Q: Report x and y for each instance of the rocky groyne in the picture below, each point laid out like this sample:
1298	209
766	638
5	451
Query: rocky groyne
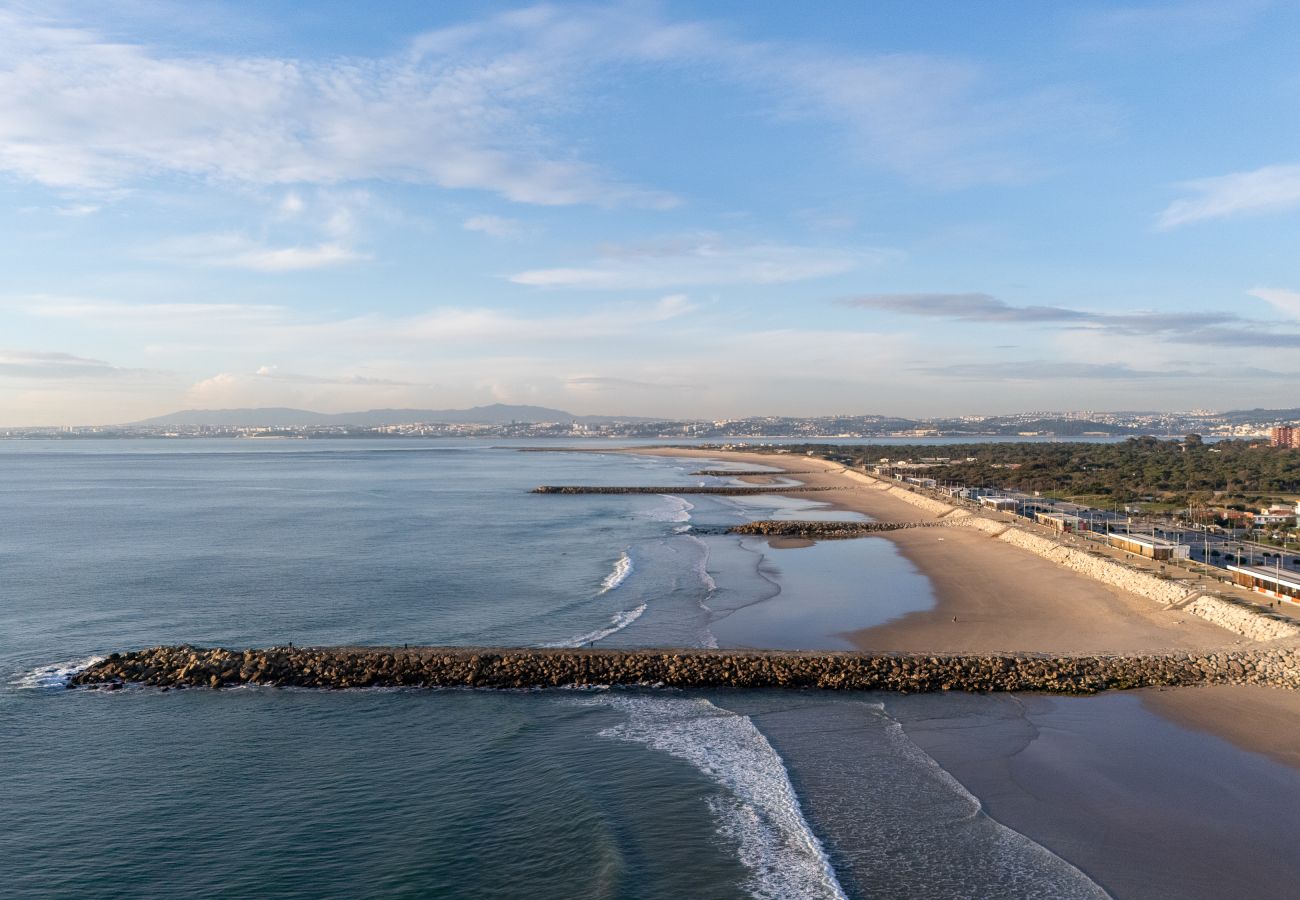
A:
731	489
819	530
360	667
747	473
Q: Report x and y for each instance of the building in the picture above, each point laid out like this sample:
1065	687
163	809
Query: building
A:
1285	436
1002	504
1275	515
1063	523
1150	547
1275	582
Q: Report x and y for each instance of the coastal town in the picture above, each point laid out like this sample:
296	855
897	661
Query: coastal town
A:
541	423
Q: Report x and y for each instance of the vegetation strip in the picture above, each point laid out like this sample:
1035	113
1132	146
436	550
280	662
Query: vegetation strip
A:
360	667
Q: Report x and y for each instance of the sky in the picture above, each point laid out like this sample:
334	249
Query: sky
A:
704	210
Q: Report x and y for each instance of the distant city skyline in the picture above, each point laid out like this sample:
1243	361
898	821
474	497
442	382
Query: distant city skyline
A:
664	209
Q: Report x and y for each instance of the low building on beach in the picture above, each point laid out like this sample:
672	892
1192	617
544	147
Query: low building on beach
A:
1001	504
1150	547
1062	523
1273	582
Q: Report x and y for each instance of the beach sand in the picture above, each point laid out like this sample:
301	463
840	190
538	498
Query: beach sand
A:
991	596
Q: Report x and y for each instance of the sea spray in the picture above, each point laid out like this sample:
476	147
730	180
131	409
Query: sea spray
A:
55	675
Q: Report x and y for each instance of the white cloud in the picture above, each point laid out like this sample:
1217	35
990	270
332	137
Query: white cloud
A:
480	106
150	315
494	226
452	325
703	259
237	251
80	110
1266	190
1286	302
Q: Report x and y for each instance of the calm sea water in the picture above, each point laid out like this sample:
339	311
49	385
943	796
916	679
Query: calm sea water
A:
620	793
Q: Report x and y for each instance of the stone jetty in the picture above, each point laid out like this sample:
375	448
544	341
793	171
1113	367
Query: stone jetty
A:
360	667
730	489
817	530
746	473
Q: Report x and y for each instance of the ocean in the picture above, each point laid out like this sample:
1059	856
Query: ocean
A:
259	792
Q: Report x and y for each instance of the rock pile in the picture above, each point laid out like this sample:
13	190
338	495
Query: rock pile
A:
355	667
824	530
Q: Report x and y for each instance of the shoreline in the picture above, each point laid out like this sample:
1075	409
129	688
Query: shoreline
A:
990	596
983	602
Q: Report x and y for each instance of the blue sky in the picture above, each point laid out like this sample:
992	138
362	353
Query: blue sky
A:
678	209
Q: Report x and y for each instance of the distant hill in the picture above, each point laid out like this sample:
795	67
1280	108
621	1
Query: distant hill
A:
283	417
1242	416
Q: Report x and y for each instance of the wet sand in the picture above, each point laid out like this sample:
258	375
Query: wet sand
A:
990	596
1260	719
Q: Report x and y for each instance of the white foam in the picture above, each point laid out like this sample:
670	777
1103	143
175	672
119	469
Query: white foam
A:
54	676
760	811
677	509
622	569
617	622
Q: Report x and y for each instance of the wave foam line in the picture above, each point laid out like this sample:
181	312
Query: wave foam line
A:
54	676
622	569
617	622
1011	852
759	812
676	510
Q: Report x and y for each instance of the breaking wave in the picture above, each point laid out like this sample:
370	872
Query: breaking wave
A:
759	811
54	676
622	569
617	622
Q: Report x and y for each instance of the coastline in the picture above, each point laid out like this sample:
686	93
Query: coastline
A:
990	596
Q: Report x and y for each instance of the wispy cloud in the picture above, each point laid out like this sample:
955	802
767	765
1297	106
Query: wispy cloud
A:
1268	190
237	251
33	364
1203	328
204	315
1175	25
600	383
1284	301
701	259
494	226
1038	369
486	105
461	108
966	307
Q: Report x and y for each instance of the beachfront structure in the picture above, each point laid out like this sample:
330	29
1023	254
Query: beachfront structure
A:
1061	522
1274	582
1002	504
1150	547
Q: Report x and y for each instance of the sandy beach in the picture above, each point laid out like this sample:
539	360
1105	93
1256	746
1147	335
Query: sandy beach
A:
991	596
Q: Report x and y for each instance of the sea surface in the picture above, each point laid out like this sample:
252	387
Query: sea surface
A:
255	792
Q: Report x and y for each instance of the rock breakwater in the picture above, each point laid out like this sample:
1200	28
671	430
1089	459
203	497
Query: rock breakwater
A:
822	530
359	667
749	473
